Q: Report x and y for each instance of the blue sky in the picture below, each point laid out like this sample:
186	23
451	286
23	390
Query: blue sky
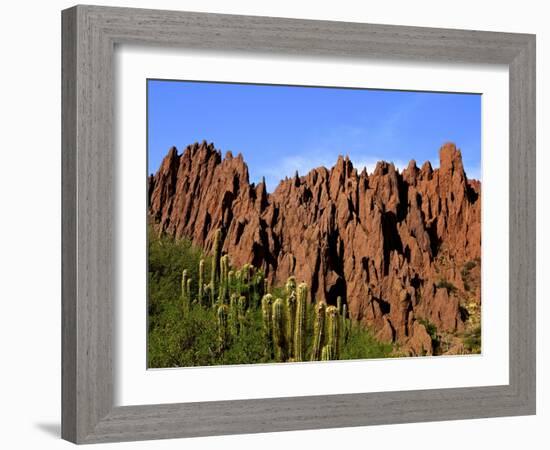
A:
281	129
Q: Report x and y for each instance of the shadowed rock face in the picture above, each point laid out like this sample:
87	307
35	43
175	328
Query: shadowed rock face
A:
383	241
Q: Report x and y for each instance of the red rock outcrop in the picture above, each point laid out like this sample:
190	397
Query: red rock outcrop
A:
391	244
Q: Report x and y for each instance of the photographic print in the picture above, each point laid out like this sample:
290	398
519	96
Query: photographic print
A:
292	224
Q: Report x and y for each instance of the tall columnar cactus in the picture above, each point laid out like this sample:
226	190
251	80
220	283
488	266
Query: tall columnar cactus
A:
238	282
230	283
339	304
267	302
327	353
184	300
333	326
246	274
266	286
223	273
216	255
222	294
279	331
200	287
183	283
226	268
291	312
301	318
242	307
223	328
318	331
290	285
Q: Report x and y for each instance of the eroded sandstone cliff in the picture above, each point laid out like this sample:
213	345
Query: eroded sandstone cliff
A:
394	245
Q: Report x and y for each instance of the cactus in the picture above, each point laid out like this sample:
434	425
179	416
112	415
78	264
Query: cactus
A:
246	274
183	283
300	326
339	304
216	255
291	312
227	286
241	312
200	293
221	285
318	331
333	325
223	329
238	282
222	288
266	286
212	292
279	328
290	285
231	283
327	353
226	268
267	302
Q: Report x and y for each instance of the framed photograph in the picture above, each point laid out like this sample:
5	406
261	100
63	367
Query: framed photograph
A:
278	224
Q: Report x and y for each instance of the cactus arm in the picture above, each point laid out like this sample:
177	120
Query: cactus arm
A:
327	353
279	328
301	322
291	312
333	322
216	255
267	302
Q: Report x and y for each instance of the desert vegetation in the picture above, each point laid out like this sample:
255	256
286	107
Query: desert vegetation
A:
203	311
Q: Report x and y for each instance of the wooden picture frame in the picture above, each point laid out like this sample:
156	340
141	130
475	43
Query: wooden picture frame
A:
90	34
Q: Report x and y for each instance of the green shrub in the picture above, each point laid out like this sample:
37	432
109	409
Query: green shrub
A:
432	331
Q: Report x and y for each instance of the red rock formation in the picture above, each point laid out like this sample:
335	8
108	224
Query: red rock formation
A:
384	242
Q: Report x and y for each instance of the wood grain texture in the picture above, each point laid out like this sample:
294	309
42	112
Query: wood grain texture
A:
68	225
89	37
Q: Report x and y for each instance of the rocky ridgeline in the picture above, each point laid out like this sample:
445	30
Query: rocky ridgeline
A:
392	245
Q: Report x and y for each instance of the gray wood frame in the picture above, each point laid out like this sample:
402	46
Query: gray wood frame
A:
89	37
